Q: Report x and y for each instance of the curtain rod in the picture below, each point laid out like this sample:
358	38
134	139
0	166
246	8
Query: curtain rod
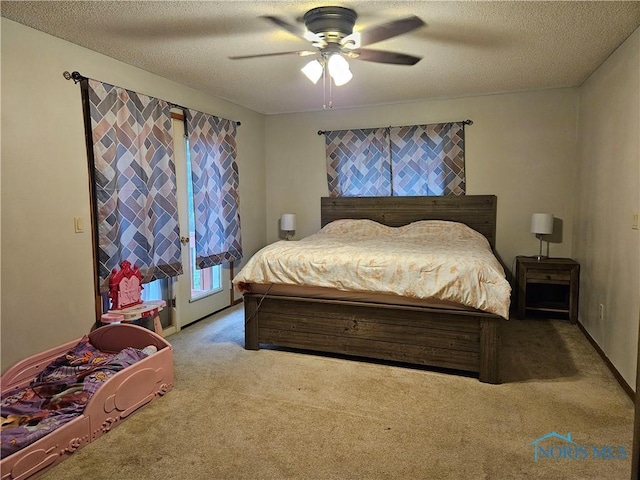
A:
464	122
77	76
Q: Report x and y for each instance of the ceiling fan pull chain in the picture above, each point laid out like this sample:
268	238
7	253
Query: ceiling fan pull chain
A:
324	88
330	94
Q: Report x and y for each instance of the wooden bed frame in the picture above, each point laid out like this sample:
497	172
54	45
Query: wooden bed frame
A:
459	340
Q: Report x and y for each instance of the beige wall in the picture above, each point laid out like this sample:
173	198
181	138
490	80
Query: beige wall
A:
521	147
607	195
47	286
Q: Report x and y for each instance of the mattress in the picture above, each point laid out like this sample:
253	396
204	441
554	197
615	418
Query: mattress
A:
435	261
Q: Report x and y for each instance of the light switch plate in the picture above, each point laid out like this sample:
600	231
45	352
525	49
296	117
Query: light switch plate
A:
78	224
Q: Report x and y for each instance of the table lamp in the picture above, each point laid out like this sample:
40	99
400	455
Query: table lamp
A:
541	224
288	224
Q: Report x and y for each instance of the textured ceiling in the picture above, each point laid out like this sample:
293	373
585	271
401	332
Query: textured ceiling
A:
468	48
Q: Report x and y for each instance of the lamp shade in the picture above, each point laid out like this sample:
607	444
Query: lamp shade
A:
313	70
288	222
542	223
339	69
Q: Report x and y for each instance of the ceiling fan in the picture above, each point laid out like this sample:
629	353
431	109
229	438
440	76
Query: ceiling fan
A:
330	31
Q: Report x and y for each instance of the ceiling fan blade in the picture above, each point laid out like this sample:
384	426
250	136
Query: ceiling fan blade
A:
380	56
382	32
301	53
294	29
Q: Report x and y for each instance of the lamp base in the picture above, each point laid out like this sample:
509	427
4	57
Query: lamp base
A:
540	256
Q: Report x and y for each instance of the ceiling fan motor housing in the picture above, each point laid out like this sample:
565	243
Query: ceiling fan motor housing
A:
332	23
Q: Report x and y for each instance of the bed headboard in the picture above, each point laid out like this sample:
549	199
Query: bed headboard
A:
476	211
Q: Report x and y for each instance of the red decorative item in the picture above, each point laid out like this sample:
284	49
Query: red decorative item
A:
125	286
125	293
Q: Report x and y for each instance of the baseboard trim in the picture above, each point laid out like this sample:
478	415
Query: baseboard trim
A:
623	383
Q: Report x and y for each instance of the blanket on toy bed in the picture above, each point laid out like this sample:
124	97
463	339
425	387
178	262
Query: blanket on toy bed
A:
59	393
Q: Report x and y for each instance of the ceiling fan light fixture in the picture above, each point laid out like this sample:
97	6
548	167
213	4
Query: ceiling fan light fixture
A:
339	69
343	78
313	70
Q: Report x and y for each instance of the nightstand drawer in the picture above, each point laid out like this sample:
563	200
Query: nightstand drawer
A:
549	275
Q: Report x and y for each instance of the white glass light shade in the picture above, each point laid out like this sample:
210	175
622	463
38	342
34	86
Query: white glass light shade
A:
313	70
542	223
339	69
288	222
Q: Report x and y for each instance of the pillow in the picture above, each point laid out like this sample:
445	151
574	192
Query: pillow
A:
355	228
441	231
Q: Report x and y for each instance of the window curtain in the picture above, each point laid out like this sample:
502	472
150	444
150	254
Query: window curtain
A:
214	172
428	159
134	181
396	161
358	163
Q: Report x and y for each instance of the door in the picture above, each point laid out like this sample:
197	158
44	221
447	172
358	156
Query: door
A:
197	293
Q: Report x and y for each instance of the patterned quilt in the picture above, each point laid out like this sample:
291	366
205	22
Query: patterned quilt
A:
426	260
59	393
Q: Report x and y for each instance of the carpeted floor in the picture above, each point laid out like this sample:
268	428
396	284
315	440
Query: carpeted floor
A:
236	414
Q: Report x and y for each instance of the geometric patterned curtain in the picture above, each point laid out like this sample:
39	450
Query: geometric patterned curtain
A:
428	159
134	182
358	163
397	161
214	173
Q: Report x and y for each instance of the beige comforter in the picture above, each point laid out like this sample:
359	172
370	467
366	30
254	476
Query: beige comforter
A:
428	259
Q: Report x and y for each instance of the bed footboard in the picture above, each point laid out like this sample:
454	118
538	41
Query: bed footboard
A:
467	341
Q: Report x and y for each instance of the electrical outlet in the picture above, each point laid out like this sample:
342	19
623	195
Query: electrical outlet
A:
601	312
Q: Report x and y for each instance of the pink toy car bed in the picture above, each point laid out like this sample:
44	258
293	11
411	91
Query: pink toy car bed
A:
55	402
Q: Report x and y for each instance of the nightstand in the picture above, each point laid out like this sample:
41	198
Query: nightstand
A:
548	286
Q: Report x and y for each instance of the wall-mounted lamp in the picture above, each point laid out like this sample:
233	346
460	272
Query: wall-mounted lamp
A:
288	224
541	224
